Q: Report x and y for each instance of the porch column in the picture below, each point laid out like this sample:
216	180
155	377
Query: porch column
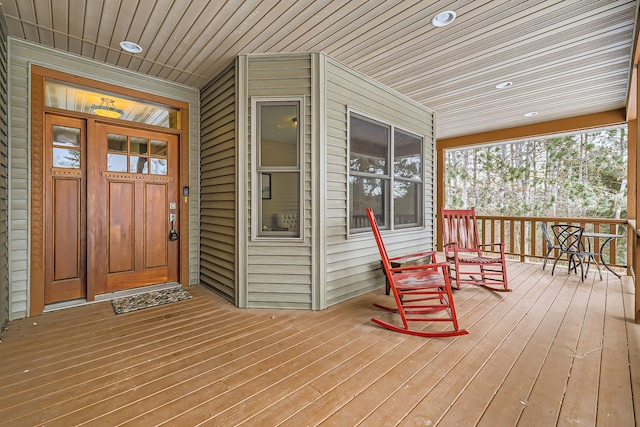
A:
633	165
633	240
440	191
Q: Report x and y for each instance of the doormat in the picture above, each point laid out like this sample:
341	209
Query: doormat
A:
149	299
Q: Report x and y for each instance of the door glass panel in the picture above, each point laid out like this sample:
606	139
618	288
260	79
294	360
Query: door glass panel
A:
138	164
66	136
117	143
158	148
138	145
66	158
116	163
158	166
135	155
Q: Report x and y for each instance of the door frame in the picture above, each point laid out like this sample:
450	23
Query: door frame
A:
36	218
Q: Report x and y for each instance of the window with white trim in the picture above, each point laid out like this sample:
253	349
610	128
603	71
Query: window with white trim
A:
278	168
385	173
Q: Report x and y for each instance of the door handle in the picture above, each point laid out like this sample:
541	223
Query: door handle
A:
173	234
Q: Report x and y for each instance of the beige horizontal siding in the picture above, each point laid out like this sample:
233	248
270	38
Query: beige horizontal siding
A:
352	262
288	273
279	272
18	187
217	180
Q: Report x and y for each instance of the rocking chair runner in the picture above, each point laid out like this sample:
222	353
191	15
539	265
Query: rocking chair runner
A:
419	291
463	249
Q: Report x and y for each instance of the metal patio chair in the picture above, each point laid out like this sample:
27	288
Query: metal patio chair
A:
550	245
571	243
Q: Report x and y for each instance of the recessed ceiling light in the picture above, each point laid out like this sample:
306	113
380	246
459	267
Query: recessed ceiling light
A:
443	18
531	114
131	47
504	85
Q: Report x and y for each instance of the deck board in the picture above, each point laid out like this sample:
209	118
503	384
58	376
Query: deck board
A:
615	400
494	353
512	393
546	357
522	355
555	351
581	397
633	337
485	322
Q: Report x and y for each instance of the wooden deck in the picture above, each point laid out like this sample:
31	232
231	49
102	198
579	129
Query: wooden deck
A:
555	351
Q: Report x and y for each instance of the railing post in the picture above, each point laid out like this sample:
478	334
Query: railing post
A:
631	242
636	267
440	194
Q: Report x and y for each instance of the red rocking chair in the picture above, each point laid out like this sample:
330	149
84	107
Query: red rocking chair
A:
419	292
463	249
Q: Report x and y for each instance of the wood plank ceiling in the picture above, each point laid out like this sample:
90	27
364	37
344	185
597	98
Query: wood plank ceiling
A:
565	57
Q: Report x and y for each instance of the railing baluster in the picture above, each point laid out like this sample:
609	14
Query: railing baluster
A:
532	244
512	237
534	240
494	231
523	241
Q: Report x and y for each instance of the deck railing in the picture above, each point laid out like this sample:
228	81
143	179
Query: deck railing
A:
524	240
633	238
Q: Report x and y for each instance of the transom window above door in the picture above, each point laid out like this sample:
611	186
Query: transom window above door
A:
136	155
70	97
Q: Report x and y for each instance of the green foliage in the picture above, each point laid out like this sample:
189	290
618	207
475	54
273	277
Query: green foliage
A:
579	175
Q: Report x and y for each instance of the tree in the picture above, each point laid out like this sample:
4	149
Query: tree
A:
576	175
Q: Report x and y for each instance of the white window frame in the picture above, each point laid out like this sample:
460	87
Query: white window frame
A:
389	205
257	170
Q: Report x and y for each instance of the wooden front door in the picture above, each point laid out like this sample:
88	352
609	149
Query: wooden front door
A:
109	202
136	198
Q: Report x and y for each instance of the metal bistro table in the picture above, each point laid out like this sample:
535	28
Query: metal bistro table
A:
606	239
